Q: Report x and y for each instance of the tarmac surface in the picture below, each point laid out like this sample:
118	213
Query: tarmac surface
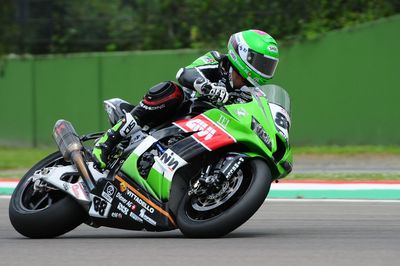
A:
297	232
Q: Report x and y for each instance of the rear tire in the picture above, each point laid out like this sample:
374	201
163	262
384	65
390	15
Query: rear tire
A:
239	210
45	215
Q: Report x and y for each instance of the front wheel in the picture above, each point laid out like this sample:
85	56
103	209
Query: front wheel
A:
44	213
219	214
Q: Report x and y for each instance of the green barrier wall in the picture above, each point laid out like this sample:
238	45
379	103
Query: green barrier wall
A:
17	119
344	87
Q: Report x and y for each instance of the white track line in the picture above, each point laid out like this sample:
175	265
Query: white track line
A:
307	200
334	200
350	186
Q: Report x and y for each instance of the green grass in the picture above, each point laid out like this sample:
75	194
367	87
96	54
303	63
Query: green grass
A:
14	158
346	150
14	174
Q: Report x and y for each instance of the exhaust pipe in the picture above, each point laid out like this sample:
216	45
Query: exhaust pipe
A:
66	138
70	147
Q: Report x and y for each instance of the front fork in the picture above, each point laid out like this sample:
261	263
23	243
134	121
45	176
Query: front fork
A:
212	177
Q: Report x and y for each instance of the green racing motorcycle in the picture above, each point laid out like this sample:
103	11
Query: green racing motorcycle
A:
205	173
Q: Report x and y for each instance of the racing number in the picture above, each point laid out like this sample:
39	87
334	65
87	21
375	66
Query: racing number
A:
99	206
281	120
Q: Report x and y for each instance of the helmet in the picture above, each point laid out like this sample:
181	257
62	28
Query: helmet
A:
254	54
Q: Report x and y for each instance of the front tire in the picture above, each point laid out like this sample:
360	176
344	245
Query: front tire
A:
46	214
246	201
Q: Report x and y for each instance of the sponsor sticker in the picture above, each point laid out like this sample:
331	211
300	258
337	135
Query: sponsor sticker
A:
234	168
135	217
168	163
121	198
79	190
204	130
243	48
209	134
121	207
124	204
273	48
117	215
241	112
207	59
109	192
152	108
122	186
141	202
143	215
223	121
232	55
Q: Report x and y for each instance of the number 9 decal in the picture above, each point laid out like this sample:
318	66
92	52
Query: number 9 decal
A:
281	119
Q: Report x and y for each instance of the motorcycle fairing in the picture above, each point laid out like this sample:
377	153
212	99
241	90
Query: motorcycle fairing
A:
206	132
54	176
203	135
115	203
123	204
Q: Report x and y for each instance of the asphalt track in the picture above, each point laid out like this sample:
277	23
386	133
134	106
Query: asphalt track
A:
297	232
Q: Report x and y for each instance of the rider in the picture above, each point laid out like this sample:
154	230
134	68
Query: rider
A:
251	61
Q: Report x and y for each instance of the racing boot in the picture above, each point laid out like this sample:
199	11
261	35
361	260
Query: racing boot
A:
123	129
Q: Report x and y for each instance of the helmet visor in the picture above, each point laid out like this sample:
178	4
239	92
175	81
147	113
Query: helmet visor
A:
262	63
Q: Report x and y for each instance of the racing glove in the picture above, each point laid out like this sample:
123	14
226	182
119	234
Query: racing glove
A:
215	91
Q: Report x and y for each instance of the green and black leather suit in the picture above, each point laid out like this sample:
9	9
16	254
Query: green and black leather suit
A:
163	100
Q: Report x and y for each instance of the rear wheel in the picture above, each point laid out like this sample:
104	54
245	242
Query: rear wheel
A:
217	214
43	212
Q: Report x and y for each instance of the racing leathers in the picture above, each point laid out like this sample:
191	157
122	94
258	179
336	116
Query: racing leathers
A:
209	75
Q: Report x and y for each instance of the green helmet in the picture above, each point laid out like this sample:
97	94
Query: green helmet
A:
254	54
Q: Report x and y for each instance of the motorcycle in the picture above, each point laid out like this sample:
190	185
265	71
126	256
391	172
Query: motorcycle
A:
205	173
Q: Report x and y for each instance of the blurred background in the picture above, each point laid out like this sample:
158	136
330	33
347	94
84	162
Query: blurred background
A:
61	59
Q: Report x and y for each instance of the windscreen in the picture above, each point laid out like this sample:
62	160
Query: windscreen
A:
277	95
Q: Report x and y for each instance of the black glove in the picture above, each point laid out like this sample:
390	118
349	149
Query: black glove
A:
217	92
